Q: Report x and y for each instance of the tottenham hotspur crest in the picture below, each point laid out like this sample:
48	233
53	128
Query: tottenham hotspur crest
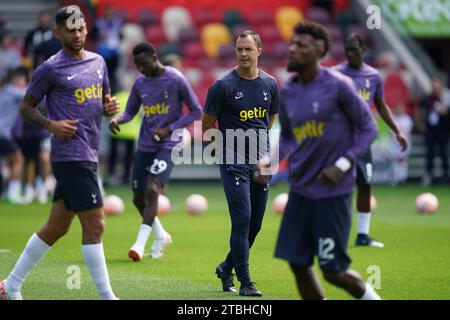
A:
99	73
265	95
315	107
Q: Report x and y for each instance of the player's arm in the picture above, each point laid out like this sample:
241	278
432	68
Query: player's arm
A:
386	115
272	119
131	109
63	128
213	107
359	115
208	122
190	99
111	106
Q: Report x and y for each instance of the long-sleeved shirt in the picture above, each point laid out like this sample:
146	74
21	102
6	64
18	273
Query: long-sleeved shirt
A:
320	122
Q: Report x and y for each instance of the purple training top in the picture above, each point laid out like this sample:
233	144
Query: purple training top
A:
320	122
162	101
74	89
367	81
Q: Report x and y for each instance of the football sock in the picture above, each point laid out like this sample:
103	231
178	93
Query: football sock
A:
95	260
158	229
370	294
13	189
144	233
34	250
364	222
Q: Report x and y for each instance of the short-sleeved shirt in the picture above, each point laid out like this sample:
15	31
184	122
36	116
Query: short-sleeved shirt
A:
162	99
322	121
367	81
74	89
247	105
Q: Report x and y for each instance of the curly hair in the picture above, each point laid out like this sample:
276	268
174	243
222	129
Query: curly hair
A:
315	30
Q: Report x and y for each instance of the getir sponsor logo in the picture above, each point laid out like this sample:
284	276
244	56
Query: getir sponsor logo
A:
93	92
256	112
364	94
309	130
159	108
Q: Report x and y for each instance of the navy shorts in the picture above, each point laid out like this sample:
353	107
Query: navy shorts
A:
31	148
316	227
157	164
364	169
77	185
7	147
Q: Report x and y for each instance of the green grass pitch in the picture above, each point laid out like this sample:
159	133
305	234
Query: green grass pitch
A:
413	265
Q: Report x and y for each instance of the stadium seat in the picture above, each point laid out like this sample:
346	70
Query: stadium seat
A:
232	18
194	50
319	15
269	34
148	18
156	35
237	29
173	19
168	48
132	32
213	35
188	35
286	17
260	17
202	17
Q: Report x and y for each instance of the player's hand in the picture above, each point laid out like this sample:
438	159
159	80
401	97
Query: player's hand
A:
161	133
114	126
260	175
330	175
63	128
111	106
402	140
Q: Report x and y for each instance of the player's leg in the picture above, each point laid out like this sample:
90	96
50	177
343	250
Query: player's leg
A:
159	174
295	244
150	172
308	283
430	144
37	246
364	170
129	151
259	193
93	225
237	192
332	224
15	163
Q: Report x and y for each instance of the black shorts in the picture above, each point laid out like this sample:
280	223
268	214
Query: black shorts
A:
157	164
364	169
77	184
313	227
30	147
7	147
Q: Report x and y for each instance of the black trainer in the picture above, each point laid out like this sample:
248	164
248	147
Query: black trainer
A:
250	291
227	280
365	240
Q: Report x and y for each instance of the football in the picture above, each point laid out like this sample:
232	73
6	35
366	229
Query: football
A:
113	205
279	203
196	204
427	203
164	205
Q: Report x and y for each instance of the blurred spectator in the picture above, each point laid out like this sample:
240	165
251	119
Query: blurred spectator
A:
33	142
40	43
173	60
107	35
400	158
434	112
11	96
10	57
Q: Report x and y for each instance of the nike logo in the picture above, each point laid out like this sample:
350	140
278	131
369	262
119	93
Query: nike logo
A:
266	188
238	95
72	76
144	95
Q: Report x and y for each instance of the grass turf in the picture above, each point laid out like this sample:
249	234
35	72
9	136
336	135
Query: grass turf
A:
413	264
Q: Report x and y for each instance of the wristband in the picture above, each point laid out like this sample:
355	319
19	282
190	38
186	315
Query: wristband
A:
343	164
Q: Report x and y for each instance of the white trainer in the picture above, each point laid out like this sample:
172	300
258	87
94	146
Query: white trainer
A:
4	294
159	245
135	254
